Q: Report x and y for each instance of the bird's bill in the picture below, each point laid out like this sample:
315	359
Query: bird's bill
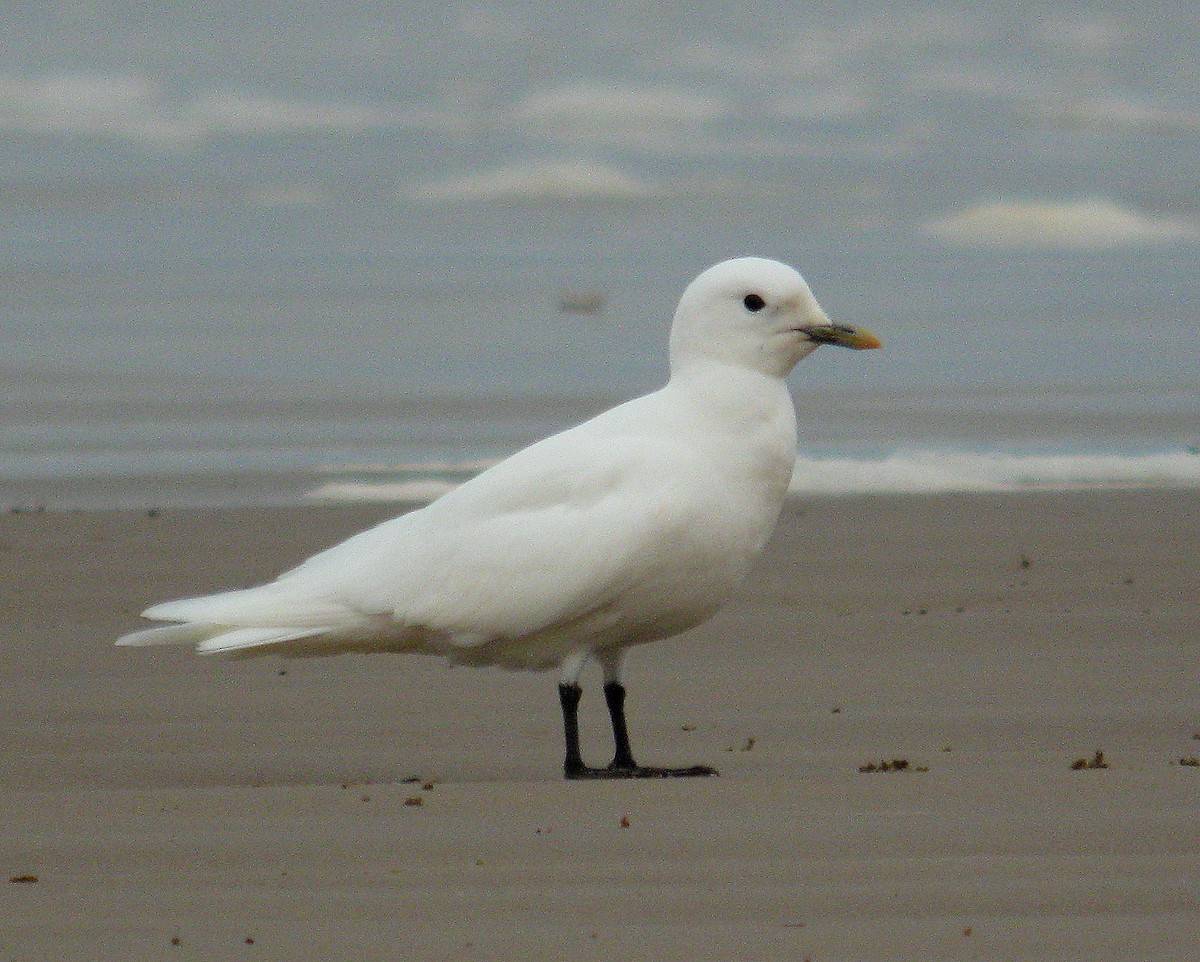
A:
856	338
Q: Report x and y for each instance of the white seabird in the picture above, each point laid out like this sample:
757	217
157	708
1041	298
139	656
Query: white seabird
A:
631	527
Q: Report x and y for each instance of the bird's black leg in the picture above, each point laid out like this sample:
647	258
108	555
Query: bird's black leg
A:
622	765
568	697
614	697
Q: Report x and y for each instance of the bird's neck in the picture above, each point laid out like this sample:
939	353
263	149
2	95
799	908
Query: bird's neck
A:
747	421
739	396
720	378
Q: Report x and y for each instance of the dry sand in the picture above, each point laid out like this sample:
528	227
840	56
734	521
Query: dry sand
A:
157	796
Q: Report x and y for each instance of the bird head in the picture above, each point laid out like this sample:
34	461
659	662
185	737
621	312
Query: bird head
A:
757	313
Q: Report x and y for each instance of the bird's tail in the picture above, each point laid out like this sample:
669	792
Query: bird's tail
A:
239	621
218	639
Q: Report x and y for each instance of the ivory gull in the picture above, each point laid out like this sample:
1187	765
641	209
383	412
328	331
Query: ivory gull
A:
631	527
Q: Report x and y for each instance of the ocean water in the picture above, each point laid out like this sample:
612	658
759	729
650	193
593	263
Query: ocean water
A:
302	251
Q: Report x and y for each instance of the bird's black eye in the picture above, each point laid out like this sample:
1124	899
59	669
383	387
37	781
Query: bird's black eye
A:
753	303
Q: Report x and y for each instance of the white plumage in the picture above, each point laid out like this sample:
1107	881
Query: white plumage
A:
628	528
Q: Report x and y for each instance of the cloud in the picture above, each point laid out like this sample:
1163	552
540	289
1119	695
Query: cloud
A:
1111	113
130	106
615	113
109	105
237	113
536	181
1081	224
823	104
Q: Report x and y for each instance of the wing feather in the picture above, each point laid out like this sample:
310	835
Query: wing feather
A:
563	529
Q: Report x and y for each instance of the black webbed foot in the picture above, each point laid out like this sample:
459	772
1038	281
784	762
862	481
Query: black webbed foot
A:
637	771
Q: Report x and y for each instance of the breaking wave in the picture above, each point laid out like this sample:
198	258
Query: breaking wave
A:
945	471
914	472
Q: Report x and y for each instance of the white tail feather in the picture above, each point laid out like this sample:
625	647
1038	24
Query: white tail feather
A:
242	638
170	635
268	606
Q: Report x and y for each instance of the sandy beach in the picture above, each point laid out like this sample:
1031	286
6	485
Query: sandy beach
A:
157	805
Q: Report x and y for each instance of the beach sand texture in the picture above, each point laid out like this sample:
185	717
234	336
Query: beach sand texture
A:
176	807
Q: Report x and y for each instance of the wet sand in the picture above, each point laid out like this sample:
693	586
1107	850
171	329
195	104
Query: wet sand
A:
176	807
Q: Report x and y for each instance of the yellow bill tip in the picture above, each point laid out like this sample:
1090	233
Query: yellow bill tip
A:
843	335
864	340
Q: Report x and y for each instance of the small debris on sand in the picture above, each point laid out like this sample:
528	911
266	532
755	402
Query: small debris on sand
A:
1096	761
892	765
